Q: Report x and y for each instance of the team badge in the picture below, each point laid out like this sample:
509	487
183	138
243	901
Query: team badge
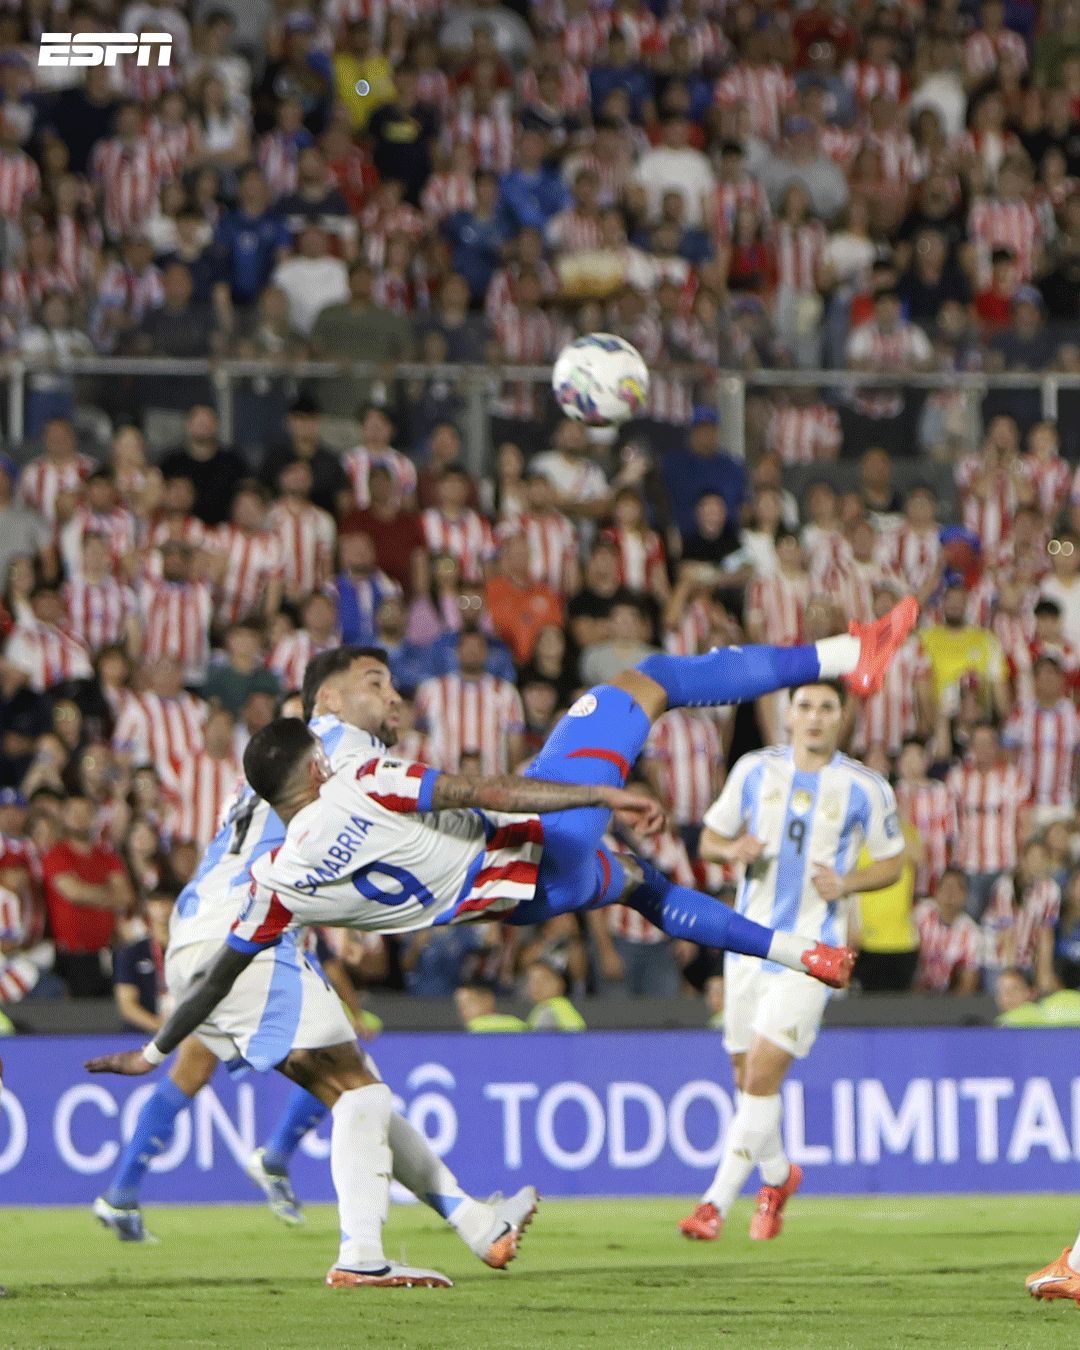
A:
801	801
585	705
830	808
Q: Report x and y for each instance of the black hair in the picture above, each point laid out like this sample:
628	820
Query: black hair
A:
321	667
837	686
273	753
1047	609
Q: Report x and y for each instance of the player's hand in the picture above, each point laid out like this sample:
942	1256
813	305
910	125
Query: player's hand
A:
828	883
130	1063
748	848
636	810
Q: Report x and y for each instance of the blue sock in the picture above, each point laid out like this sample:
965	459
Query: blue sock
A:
731	674
683	913
302	1113
152	1135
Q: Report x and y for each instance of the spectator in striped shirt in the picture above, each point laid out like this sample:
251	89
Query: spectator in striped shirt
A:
949	940
472	712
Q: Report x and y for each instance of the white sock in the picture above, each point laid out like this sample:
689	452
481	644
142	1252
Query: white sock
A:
1074	1255
756	1120
360	1167
838	655
420	1170
787	950
773	1163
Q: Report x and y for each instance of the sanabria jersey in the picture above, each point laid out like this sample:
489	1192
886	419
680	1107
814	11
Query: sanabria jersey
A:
370	854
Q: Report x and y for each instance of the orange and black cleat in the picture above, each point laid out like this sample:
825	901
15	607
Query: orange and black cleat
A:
704	1225
880	641
830	965
1057	1280
391	1276
768	1218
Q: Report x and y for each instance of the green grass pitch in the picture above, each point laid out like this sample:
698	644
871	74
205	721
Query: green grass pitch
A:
868	1274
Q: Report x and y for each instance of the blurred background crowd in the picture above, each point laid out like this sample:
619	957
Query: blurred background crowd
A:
734	186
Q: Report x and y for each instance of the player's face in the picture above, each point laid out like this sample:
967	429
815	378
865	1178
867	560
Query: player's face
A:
814	719
368	699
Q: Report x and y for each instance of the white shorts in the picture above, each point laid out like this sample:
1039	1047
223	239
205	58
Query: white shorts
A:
280	1002
784	1006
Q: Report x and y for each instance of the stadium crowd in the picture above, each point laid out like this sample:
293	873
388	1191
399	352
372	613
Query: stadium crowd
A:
731	186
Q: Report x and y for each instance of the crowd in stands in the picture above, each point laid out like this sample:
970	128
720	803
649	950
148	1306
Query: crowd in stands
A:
731	186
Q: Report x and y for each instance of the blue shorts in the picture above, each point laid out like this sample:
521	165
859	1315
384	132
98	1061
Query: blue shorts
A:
596	742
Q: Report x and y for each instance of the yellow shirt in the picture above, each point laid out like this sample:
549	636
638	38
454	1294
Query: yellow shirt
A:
955	652
885	916
379	74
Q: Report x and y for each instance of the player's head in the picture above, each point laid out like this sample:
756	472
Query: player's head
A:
815	715
286	765
354	684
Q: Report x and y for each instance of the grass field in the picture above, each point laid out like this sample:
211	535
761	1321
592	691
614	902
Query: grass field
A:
862	1274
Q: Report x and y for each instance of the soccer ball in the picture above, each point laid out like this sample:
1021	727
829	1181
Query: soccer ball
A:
600	379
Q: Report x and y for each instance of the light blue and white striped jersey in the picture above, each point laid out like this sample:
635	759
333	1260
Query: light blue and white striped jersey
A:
208	904
804	819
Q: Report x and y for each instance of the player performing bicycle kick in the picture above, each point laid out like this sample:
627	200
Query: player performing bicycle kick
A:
393	847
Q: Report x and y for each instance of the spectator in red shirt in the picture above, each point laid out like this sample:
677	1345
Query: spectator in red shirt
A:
86	886
994	304
400	550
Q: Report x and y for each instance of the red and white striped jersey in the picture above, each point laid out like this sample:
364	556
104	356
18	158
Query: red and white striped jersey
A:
162	732
667	852
1046	741
892	352
445	193
460	715
1051	479
799	250
20	182
767	89
130	178
573	89
726	200
983	52
307	537
468	539
898	155
176	142
889	717
584	37
993	223
573	231
42	481
187	529
553	546
290	655
358	464
707	41
989	514
642	31
988	806
804	435
204	786
685	746
931	809
46	655
912	553
98	612
502	290
840	144
489	135
867	79
850	586
1015	917
132	292
252	562
277	155
18	974
611	175
528	337
117	527
690	634
945	950
775	607
77	245
176	622
825	549
394	292
638	553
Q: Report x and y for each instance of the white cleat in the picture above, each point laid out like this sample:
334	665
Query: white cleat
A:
390	1276
510	1217
127	1223
277	1188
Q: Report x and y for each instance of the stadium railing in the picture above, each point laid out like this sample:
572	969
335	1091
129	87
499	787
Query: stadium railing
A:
477	389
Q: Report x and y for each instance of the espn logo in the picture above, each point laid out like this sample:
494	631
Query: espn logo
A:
103	49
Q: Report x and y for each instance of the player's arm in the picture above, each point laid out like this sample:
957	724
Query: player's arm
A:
717	848
884	843
204	997
725	838
504	792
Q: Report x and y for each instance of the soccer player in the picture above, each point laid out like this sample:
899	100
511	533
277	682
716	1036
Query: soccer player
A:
203	914
796	818
394	847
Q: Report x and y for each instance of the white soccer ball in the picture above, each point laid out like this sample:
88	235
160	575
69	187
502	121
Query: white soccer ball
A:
600	379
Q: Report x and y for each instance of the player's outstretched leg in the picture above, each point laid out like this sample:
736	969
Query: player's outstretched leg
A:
268	1166
1060	1279
118	1209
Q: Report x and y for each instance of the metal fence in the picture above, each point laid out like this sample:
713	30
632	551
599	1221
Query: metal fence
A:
474	392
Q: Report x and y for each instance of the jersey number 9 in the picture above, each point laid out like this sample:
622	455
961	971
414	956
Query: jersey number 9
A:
408	886
796	832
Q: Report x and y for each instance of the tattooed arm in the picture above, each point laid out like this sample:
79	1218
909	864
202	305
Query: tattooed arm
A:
508	793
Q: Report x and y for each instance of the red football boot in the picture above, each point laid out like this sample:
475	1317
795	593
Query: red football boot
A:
768	1218
704	1225
830	965
1057	1280
880	641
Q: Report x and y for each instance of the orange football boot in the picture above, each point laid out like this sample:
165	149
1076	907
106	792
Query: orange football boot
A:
704	1225
830	965
880	641
1057	1280
768	1218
